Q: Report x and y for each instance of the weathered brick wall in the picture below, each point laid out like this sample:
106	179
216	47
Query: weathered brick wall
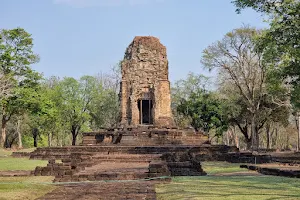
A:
145	75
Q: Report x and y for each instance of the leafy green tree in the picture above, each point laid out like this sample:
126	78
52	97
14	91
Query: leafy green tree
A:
280	44
76	97
16	56
5	86
50	122
104	106
182	90
205	111
45	118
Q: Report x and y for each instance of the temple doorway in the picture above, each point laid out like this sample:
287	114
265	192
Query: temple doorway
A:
145	111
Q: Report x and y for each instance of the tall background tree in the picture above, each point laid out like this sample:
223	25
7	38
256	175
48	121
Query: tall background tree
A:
16	56
281	42
243	72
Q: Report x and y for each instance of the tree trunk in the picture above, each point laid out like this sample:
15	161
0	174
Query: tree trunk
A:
235	138
35	141
228	136
19	134
73	138
74	130
237	142
57	139
3	132
49	139
52	138
287	142
4	121
298	127
74	135
35	135
268	135
249	144
254	136
276	137
10	143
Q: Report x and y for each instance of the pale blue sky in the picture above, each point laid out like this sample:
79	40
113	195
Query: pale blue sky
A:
79	37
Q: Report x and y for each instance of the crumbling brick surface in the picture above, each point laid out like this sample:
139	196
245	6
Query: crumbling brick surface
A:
145	136
145	76
114	190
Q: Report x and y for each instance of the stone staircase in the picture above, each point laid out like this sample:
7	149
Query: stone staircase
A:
97	163
206	151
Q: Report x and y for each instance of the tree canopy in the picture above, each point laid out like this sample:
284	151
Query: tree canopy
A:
281	42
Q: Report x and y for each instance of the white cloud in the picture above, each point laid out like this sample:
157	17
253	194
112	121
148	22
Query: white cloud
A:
89	3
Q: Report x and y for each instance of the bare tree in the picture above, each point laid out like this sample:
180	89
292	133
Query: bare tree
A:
240	66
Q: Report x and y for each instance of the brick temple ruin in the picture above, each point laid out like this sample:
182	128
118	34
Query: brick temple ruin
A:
145	102
146	147
145	87
146	144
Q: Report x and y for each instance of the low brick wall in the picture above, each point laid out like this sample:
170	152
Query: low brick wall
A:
245	157
273	171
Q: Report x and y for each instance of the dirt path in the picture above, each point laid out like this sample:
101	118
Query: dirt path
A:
137	190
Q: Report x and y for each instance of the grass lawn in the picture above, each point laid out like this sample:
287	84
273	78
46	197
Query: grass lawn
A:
8	152
22	187
213	168
13	188
5	153
10	163
229	187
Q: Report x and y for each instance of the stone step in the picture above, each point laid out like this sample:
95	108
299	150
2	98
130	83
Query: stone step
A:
133	190
64	152
127	158
121	160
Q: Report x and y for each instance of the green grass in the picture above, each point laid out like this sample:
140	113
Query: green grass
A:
8	152
212	168
25	187
5	153
229	187
10	163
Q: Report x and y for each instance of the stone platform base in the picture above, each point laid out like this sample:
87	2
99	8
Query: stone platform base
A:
97	163
143	152
144	136
133	190
203	151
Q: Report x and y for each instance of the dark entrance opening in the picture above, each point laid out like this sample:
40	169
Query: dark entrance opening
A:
145	108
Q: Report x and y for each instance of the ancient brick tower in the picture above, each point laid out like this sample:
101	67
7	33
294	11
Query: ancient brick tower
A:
145	87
